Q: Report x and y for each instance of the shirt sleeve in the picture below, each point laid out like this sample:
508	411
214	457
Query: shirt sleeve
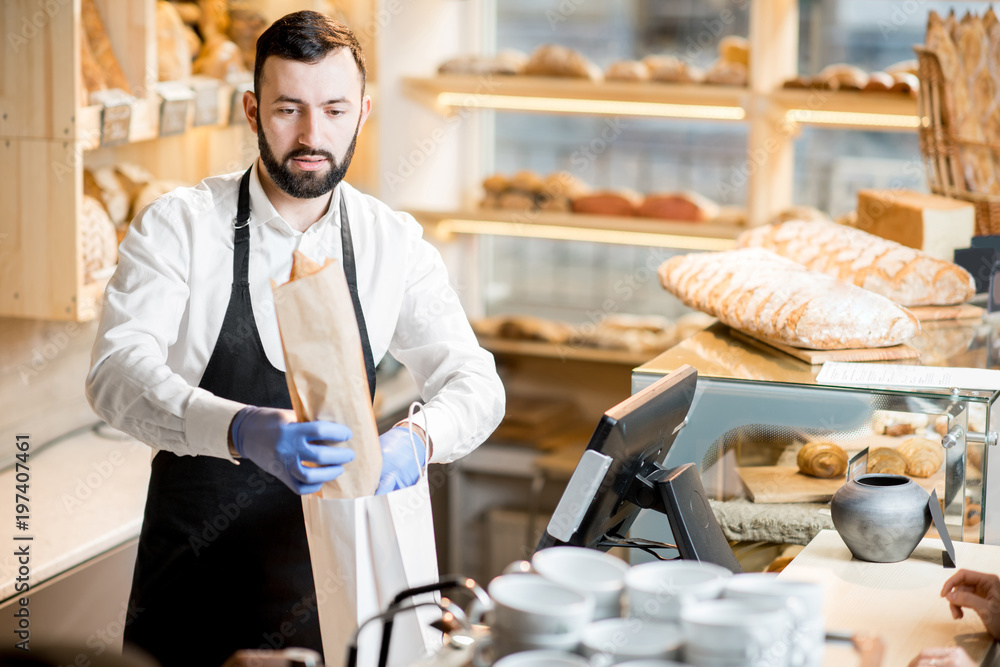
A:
457	379
130	385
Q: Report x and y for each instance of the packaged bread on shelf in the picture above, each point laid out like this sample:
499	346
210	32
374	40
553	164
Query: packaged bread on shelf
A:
931	223
822	459
173	55
627	70
101	47
671	69
683	206
98	241
609	202
775	299
560	61
886	460
923	456
908	276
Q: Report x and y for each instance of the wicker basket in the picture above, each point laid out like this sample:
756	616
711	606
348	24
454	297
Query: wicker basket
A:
943	149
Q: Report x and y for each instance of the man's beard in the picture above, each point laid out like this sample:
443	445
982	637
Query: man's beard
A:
307	184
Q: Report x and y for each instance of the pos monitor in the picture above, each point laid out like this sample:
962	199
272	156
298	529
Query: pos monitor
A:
621	472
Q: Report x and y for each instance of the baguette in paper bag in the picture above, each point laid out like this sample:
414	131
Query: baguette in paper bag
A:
325	367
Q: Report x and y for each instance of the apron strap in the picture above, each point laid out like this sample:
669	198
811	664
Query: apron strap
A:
352	283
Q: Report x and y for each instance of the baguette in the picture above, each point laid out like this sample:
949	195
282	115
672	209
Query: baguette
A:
773	298
906	275
104	55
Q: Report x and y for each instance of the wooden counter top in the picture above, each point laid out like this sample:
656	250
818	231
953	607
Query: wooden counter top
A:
900	602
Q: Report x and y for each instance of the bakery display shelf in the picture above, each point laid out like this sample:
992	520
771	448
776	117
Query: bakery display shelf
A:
561	95
444	225
847	109
564	351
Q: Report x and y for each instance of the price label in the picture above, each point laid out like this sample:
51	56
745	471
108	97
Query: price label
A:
173	116
206	102
115	121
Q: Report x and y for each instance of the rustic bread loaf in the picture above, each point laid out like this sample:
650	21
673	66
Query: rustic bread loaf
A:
608	202
100	45
775	299
173	56
735	49
561	61
906	275
686	206
627	70
671	69
98	241
727	73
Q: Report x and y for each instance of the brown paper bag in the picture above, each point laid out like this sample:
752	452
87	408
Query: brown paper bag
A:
325	367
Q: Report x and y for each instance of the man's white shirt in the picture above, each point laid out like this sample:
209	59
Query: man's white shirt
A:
164	307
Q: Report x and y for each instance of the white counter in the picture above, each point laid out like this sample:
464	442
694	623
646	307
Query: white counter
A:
87	494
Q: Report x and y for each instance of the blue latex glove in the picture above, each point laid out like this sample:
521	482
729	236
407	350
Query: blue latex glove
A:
273	440
399	468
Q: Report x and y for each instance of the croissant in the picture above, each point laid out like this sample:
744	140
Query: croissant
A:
886	460
923	457
822	459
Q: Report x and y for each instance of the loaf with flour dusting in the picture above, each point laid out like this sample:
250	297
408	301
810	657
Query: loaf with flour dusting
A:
775	299
908	276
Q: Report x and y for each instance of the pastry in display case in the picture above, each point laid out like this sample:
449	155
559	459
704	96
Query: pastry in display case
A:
772	443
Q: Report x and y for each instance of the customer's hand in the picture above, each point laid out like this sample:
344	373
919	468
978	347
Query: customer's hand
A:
400	468
277	443
977	591
951	656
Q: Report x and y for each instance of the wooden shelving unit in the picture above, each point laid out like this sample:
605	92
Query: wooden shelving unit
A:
774	114
444	225
47	135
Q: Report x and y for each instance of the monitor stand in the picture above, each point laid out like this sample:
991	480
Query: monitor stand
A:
678	493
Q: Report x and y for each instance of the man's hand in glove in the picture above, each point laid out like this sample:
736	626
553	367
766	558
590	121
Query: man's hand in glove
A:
273	440
400	468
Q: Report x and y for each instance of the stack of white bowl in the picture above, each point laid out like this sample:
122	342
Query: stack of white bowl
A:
572	604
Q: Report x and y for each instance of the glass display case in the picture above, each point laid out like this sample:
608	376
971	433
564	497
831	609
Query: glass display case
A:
755	407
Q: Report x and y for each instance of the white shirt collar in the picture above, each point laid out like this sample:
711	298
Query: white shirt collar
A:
262	210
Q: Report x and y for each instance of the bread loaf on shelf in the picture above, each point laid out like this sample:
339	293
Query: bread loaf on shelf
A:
98	241
727	73
822	459
627	70
907	276
936	225
778	300
879	82
684	206
173	54
219	58
608	202
561	61
100	45
735	49
505	62
671	69
93	77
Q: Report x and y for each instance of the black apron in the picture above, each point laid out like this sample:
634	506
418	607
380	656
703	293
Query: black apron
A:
223	560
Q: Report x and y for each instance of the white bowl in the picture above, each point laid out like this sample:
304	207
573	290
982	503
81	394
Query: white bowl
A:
757	631
621	639
505	643
542	659
659	590
596	572
529	604
805	604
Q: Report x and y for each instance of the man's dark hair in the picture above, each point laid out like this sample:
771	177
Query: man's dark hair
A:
307	37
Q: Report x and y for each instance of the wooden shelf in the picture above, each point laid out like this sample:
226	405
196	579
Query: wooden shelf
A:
823	108
579	227
848	109
564	352
560	95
